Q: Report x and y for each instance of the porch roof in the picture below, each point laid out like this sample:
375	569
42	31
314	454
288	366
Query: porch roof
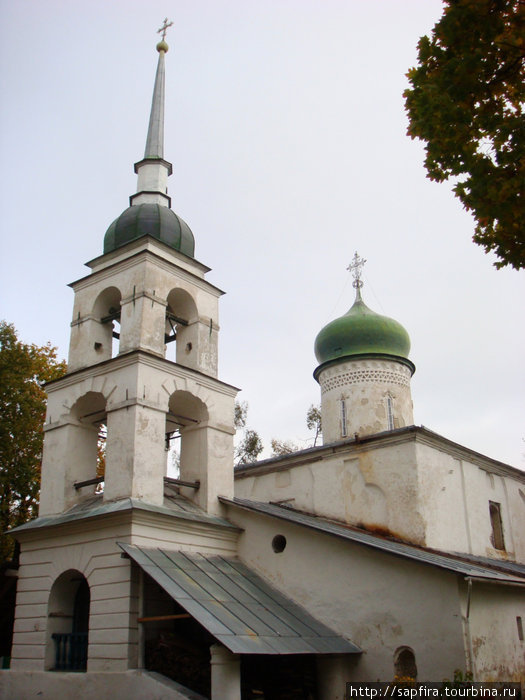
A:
239	608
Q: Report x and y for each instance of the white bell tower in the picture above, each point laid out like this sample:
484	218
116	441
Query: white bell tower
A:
144	294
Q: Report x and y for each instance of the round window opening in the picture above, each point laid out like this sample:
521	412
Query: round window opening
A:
278	543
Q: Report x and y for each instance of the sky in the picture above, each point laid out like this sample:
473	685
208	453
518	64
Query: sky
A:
286	128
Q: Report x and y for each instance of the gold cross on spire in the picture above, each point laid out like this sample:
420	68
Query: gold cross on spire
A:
355	268
164	28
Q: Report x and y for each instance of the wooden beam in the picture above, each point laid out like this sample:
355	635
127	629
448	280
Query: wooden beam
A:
158	618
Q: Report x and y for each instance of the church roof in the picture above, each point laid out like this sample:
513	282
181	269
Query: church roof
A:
361	332
153	220
236	605
175	506
471	566
366	442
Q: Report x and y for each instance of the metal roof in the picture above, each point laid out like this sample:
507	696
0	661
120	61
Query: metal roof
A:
175	506
239	608
474	567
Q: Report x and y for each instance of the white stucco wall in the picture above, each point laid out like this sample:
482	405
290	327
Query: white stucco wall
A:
90	547
142	283
415	486
360	484
135	391
379	601
499	654
365	386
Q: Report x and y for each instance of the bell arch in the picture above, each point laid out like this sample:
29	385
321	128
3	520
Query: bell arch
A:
181	327
186	417
68	623
106	311
90	420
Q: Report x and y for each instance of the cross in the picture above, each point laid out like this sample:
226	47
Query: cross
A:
164	28
355	268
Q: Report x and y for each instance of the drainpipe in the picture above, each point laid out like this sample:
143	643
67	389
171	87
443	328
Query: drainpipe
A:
466	620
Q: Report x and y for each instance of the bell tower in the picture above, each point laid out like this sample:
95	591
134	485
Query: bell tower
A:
144	295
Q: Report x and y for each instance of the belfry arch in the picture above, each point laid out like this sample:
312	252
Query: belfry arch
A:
186	419
181	327
89	414
106	311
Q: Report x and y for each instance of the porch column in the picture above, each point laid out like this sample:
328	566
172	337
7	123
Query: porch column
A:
225	674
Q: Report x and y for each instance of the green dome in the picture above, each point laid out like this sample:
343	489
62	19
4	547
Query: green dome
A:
153	220
362	332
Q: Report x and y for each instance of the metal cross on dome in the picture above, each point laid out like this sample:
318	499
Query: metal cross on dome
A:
355	268
164	28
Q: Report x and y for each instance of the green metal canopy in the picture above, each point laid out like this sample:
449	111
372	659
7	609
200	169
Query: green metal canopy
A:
236	605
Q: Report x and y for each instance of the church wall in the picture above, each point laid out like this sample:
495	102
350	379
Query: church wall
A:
372	487
148	531
142	286
135	394
455	504
499	654
365	386
379	601
91	550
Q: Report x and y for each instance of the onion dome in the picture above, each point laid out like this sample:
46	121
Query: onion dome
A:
362	332
154	220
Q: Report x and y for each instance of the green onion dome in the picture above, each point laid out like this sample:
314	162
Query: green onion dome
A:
153	220
362	332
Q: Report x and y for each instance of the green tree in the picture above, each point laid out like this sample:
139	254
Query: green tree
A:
466	101
283	447
250	446
313	421
23	371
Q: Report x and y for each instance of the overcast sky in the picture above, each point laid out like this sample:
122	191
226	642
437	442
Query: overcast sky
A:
286	128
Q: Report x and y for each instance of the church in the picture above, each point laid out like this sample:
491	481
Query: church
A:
387	551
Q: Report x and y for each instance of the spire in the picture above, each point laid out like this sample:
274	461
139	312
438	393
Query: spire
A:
155	139
153	171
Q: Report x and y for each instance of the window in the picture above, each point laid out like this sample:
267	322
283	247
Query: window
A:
343	418
405	663
497	526
390	412
279	543
519	623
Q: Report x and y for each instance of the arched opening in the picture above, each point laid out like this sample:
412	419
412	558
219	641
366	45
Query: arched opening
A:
174	643
181	315
68	623
405	663
90	447
107	312
186	413
497	539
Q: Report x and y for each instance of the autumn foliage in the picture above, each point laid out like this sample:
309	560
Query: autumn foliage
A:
466	102
23	371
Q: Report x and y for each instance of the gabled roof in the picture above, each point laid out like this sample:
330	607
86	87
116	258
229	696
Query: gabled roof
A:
239	608
470	566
